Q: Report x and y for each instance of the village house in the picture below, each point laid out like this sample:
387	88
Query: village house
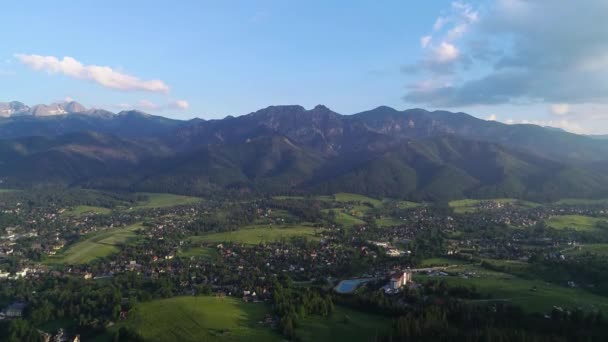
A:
400	279
15	310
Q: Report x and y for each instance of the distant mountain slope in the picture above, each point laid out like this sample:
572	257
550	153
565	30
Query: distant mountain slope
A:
380	128
124	124
438	168
383	152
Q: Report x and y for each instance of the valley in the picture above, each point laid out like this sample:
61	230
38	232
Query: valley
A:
158	264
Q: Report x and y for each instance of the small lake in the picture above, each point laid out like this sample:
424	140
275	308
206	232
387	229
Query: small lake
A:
350	285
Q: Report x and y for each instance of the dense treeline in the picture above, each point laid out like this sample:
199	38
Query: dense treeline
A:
292	305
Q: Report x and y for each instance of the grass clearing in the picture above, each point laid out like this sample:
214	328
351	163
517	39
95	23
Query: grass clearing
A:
158	200
472	205
576	222
389	222
438	262
343	325
83	210
582	201
200	319
198	252
258	234
594	248
519	291
348	197
96	245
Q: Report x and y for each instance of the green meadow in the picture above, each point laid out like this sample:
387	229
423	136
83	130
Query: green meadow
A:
531	294
197	251
159	200
82	210
576	222
343	325
94	246
471	205
200	319
594	248
258	234
582	201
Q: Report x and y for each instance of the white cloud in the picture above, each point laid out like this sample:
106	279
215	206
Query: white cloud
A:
68	99
492	117
559	109
179	104
443	56
102	75
425	41
439	23
532	52
446	53
147	105
566	125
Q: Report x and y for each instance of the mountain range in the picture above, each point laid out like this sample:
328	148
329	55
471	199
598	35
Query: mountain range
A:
414	154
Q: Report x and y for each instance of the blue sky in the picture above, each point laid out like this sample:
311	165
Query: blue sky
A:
210	59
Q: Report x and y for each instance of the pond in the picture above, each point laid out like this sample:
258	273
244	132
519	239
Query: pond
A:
350	285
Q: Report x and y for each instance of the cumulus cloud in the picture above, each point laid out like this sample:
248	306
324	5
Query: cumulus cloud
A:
150	106
446	53
179	104
441	55
559	109
561	124
533	51
425	41
102	75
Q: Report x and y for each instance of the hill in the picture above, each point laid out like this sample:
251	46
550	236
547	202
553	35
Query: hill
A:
413	154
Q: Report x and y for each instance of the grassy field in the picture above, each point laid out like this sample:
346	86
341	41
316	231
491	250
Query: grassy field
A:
471	205
407	204
576	222
343	325
389	222
434	262
197	251
347	197
156	200
345	219
582	201
200	319
519	291
594	248
82	210
7	190
257	234
95	246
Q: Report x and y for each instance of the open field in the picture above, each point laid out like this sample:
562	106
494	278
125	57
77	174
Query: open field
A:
345	219
282	198
407	204
347	197
343	325
576	222
200	319
594	248
95	246
82	210
582	201
8	190
158	200
195	251
519	291
435	262
258	234
389	222
471	205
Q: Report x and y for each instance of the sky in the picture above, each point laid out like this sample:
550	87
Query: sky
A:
516	61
